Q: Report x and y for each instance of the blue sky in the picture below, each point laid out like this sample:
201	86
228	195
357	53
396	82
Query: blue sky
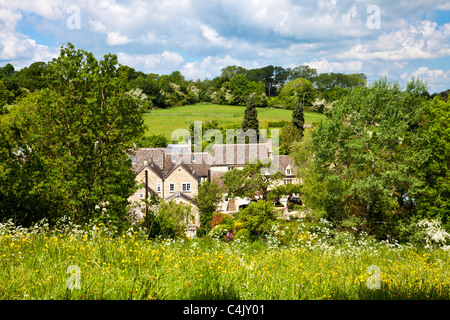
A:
397	39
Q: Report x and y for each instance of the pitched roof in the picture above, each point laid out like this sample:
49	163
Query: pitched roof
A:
239	154
155	155
181	195
283	162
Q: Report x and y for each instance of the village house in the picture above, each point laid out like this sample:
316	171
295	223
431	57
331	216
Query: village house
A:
175	173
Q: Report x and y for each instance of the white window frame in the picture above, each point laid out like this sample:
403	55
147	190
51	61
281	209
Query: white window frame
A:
188	187
288	171
141	196
171	187
158	187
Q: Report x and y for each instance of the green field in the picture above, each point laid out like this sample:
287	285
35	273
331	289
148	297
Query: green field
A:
165	121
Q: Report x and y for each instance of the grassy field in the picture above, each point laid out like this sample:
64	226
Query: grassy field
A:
56	264
165	121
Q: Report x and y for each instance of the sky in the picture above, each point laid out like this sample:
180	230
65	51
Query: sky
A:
397	39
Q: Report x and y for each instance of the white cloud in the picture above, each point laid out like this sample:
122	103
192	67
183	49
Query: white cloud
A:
213	37
163	63
424	41
432	76
209	67
116	39
325	66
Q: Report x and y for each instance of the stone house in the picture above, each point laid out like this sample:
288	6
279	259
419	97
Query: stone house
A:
175	173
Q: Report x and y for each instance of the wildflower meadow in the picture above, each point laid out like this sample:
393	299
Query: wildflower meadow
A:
69	262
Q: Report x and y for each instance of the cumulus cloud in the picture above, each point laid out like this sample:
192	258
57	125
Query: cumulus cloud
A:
162	63
116	39
212	66
325	66
424	41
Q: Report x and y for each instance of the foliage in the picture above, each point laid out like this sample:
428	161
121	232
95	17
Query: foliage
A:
243	235
297	90
250	120
362	163
208	197
70	139
253	181
168	219
433	200
153	141
288	136
257	217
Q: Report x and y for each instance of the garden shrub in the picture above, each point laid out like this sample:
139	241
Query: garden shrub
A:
257	217
243	234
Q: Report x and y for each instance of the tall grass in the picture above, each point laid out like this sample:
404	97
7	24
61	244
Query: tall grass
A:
34	264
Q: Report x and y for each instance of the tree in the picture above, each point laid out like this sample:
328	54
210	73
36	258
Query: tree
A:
208	197
288	190
298	118
297	89
359	162
257	217
433	200
250	115
75	134
253	181
288	136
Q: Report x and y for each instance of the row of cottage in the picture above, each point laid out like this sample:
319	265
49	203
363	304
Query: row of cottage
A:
175	172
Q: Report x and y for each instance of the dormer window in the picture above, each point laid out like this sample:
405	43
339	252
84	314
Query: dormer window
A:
288	171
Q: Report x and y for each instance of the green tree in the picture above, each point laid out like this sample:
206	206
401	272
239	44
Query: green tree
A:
250	115
208	197
288	136
298	118
360	160
258	217
76	134
297	89
433	200
253	181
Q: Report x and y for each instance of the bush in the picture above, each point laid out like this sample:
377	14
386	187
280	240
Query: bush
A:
168	220
257	217
221	218
243	234
219	232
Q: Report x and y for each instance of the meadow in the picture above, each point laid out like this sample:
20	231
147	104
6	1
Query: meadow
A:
165	121
91	264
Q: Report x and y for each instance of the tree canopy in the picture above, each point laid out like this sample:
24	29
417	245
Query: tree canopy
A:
68	142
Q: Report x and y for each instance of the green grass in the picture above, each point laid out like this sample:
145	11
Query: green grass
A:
165	121
34	266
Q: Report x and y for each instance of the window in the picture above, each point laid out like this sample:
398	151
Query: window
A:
172	187
193	158
141	195
288	171
186	187
288	181
158	187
